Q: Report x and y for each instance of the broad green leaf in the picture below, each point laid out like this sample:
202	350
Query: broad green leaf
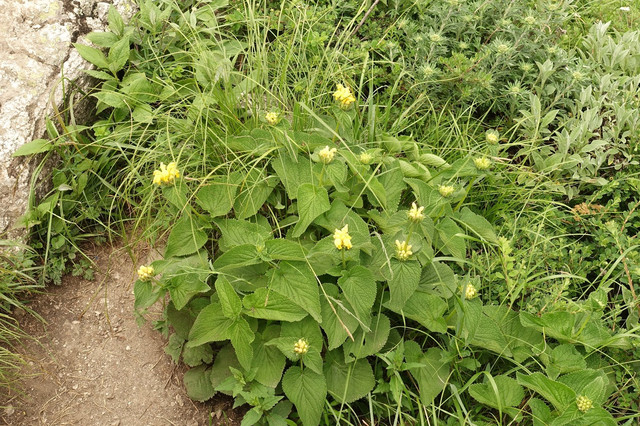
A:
183	287
393	185
507	393
347	382
198	383
307	329
307	390
438	278
229	299
210	326
594	384
241	337
296	281
36	146
143	114
197	355
563	359
118	54
116	23
337	317
174	348
293	172
269	362
92	55
428	310
237	257
478	224
312	202
239	232
253	192
359	288
430	371
340	215
146	294
185	238
540	412
366	344
102	39
427	196
558	394
451	240
283	249
225	358
272	306
403	283
217	198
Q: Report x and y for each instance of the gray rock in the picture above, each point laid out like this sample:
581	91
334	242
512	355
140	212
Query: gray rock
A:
36	50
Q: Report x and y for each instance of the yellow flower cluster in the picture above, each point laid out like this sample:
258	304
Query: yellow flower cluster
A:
482	163
145	273
492	136
584	403
470	292
342	239
301	347
272	118
366	158
327	154
166	175
344	96
416	213
446	190
403	250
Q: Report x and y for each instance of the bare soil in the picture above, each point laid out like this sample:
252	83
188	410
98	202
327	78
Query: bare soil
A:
92	364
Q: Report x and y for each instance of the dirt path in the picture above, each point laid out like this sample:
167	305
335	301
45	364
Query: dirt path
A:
100	367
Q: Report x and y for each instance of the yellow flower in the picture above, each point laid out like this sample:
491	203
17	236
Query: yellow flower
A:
166	175
482	163
301	347
342	239
366	158
584	403
327	154
492	136
145	273
403	250
470	292
416	213
344	96
272	118
445	190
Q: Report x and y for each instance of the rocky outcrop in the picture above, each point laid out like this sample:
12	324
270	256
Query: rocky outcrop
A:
36	54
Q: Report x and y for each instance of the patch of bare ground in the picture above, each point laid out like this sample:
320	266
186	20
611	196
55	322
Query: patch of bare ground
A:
92	364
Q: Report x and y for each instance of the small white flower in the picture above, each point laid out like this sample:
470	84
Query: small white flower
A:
625	8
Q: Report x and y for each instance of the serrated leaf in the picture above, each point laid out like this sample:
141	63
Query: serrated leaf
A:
296	282
225	358
146	294
359	288
185	238
558	394
92	55
118	54
183	287
477	224
366	344
564	359
197	355
241	337
430	371
403	283
293	172
272	306
268	362
198	383
308	330
307	390
428	310
116	23
229	299
143	114
508	393
451	240
239	232
347	382
174	347
312	202
210	326
253	192
102	39
237	257
338	322
217	198
283	249
393	185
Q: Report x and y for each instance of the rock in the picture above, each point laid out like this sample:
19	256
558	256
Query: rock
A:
36	48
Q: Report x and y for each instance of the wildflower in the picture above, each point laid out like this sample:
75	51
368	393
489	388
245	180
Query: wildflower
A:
470	292
515	89
167	174
584	403
526	67
145	273
577	75
301	347
272	118
552	50
416	213
327	154
502	48
482	163
344	96
463	45
625	8
403	250
435	38
342	239
445	190
505	22
366	158
427	70
530	20
492	136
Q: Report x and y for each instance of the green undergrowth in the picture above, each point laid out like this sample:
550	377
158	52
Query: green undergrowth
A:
379	212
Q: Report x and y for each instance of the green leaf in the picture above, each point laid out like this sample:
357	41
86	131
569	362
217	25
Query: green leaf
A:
438	278
507	393
359	288
254	191
307	329
186	237
307	390
229	300
116	24
143	114
217	198
268	362
312	202
272	306
296	281
225	358
92	55
102	39
174	347
393	185
478	224
540	412
558	394
427	196
337	320
347	382
593	384
146	294
210	326
118	54
564	359
430	371
451	240
366	344
239	232
241	337
283	249
293	172
36	146
198	383
404	282
237	257
428	310
197	355
183	287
